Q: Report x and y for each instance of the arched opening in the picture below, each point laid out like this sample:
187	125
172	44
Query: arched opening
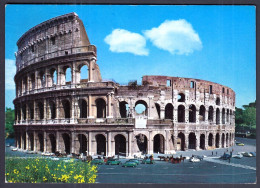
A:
53	77
31	139
217	140
210	115
31	111
192	113
66	108
217	116
158	109
84	74
42	79
202	141
210	140
40	110
141	140
158	143
181	113
66	141
192	141
141	107
123	107
52	142
181	142
227	115
227	140
223	116
24	84
218	101
24	140
169	111
202	113
32	82
82	143
181	97
41	142
68	75
24	111
120	145
230	139
223	140
101	144
101	108
52	107
82	108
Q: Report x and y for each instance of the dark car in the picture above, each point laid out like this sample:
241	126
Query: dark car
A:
97	161
129	164
134	160
113	162
147	161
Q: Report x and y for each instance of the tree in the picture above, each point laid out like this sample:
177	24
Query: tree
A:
9	121
249	117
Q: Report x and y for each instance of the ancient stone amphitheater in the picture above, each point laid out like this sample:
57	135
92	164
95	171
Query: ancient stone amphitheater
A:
57	109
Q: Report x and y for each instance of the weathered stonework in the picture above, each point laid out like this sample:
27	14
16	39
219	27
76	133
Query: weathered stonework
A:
99	117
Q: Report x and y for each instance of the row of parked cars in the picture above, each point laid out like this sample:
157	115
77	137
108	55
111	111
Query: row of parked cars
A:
129	163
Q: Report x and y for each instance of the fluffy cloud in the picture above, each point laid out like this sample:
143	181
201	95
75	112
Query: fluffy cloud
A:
121	40
175	36
10	70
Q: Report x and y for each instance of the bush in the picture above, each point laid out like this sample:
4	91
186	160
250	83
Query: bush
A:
42	170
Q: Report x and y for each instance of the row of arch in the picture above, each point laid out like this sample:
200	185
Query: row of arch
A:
82	146
50	78
37	112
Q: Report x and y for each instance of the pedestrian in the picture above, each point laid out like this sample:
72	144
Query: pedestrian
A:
216	153
229	159
212	152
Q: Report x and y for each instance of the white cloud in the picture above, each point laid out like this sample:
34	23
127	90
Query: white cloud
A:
121	40
175	36
10	70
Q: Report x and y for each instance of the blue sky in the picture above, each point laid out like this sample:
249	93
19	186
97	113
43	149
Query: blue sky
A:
215	43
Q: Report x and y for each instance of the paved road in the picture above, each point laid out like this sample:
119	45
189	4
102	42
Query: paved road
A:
210	170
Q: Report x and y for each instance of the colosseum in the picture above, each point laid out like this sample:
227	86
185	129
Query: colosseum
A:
59	110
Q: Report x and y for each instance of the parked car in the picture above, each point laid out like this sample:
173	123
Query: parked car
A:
113	162
247	154
226	156
238	156
253	153
97	161
135	160
129	164
147	161
240	144
194	159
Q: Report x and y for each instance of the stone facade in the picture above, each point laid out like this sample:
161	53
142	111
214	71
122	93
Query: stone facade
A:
93	116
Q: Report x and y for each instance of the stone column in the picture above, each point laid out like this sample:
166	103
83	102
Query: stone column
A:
109	143
197	116
220	117
214	116
34	110
175	137
186	114
57	141
109	114
90	151
34	141
130	143
57	104
45	141
90	109
206	140
27	140
213	139
46	78
150	143
162	113
186	141
175	114
206	115
44	110
197	141
72	109
58	76
72	149
166	142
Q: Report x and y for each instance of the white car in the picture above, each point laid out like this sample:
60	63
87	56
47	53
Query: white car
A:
238	156
14	149
194	159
